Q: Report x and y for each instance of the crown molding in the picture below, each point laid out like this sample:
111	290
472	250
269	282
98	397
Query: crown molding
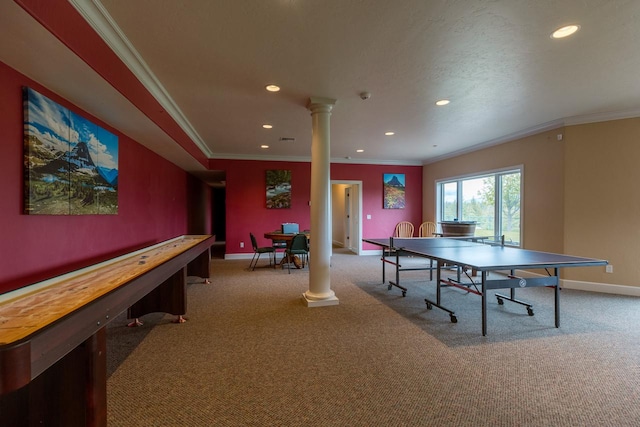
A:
544	127
99	19
224	156
502	140
602	117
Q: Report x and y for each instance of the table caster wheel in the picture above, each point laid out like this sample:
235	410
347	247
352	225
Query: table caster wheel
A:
454	319
404	294
389	287
429	306
500	301
530	311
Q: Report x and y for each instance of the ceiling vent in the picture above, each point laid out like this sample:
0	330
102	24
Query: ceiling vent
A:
287	139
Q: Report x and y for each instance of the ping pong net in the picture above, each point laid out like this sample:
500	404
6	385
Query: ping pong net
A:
423	245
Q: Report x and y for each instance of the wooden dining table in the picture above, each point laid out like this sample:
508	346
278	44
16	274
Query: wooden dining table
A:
276	236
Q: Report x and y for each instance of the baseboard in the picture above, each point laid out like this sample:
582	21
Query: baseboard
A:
578	285
250	255
238	256
371	252
605	288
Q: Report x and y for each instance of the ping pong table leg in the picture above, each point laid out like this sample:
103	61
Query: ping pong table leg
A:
384	256
431	304
438	277
484	303
557	297
397	282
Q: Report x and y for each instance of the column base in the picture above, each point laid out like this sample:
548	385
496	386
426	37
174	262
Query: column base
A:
324	302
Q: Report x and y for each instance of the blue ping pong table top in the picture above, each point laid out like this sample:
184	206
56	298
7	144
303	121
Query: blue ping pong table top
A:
483	257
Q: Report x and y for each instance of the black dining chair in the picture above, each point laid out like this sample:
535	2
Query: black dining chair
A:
278	245
257	251
299	246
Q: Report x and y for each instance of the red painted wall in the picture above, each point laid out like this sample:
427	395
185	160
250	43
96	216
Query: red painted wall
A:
383	221
246	199
246	210
152	203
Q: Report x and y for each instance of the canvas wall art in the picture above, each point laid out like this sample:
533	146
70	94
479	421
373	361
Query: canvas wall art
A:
278	189
70	163
394	191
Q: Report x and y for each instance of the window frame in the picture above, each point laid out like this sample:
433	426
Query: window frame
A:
496	174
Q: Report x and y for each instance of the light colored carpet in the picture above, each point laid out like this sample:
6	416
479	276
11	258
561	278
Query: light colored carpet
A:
252	354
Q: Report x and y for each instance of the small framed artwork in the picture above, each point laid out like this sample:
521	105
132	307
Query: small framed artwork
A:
278	189
394	191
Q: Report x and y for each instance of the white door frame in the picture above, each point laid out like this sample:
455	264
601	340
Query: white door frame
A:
356	217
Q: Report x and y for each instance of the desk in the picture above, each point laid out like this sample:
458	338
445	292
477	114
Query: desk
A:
486	258
53	335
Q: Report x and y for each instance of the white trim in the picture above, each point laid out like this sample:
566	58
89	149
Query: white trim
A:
602	117
544	127
360	212
482	174
239	256
377	162
459	179
290	159
578	285
555	124
605	288
105	26
368	252
371	252
226	156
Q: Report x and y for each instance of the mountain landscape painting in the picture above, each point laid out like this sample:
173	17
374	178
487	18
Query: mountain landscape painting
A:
394	197
70	163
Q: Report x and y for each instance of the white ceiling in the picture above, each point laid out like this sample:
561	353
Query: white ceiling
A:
494	59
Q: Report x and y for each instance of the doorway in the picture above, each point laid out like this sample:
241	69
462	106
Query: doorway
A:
346	213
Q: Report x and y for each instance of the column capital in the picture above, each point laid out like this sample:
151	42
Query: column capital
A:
318	104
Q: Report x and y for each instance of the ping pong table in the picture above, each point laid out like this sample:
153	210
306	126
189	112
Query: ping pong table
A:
468	254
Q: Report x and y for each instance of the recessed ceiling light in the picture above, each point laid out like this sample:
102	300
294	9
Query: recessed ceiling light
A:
360	150
267	126
264	146
442	102
565	31
389	133
272	88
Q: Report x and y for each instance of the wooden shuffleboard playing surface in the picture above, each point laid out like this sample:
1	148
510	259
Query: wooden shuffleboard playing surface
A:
28	310
53	333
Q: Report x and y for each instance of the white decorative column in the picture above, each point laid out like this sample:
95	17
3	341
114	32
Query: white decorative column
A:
320	293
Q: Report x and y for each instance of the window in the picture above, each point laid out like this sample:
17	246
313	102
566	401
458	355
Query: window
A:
493	200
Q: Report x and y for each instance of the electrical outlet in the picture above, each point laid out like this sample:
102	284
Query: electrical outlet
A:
608	268
242	244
